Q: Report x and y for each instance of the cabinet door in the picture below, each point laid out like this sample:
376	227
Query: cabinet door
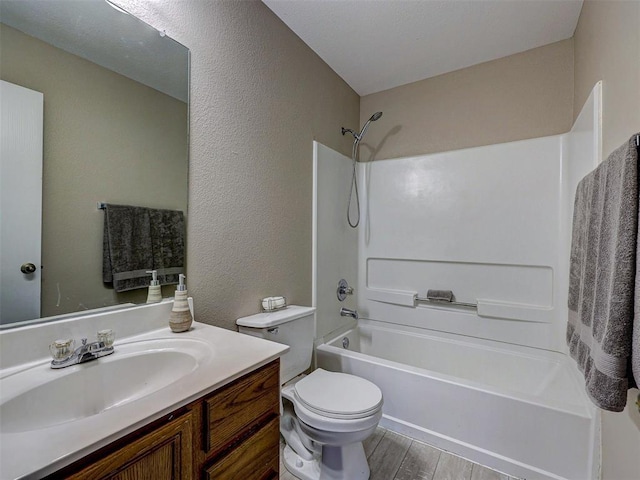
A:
255	459
164	454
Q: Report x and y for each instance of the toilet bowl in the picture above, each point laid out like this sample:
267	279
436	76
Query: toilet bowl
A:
333	414
325	415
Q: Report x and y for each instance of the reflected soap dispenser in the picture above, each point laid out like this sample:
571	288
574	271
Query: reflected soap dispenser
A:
180	319
155	291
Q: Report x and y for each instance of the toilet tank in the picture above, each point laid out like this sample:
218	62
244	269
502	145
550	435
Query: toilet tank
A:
294	326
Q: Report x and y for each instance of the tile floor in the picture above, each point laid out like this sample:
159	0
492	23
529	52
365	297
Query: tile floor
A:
396	457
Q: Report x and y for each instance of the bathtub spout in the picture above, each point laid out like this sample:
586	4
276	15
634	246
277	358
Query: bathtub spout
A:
346	312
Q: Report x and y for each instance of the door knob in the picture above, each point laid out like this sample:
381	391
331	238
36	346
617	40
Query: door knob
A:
27	268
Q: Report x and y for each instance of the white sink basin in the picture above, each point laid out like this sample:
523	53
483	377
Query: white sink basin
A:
40	397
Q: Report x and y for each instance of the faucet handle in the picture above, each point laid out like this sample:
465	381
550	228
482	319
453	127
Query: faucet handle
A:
107	337
62	349
343	290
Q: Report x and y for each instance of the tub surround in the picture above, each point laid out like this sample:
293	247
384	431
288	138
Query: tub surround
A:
425	229
36	453
494	386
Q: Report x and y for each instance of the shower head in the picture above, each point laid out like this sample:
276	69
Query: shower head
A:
358	136
372	118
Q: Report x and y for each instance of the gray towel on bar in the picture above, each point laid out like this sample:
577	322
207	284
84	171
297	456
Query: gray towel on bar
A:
440	295
138	239
635	336
602	277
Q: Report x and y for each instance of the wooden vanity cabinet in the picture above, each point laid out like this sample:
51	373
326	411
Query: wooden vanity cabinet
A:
165	452
230	434
241	422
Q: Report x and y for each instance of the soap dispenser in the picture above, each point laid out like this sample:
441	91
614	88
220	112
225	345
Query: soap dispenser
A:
180	319
155	291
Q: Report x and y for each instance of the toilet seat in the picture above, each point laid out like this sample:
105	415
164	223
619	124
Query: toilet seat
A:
338	395
337	408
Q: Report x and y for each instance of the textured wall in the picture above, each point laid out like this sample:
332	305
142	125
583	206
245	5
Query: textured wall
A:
259	97
521	96
607	48
106	138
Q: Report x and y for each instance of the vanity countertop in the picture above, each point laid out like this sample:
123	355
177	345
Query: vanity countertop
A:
36	453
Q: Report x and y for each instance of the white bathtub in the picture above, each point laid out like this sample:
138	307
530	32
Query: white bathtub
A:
516	409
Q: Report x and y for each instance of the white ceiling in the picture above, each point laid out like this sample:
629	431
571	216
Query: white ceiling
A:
375	45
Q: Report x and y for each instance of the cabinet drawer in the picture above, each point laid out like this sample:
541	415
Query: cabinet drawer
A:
243	405
256	459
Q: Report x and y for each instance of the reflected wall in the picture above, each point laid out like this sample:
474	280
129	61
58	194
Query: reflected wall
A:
107	138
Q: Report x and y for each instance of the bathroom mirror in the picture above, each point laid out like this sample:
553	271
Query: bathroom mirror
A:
114	129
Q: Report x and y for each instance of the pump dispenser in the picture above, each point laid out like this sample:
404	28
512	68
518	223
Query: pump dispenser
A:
180	319
155	291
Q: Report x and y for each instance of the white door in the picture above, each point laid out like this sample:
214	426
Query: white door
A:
21	131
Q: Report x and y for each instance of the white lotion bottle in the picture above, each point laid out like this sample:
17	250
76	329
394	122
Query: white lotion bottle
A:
180	319
155	291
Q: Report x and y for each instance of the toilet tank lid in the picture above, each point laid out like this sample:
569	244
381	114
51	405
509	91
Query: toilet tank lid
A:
270	319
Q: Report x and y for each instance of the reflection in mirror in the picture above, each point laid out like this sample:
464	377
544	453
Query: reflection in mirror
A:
98	101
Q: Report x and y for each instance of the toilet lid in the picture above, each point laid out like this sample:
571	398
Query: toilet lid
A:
338	395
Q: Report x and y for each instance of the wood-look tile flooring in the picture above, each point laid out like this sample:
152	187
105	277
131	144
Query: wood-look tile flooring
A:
396	457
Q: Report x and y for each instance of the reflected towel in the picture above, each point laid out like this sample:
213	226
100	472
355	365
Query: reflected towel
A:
602	277
167	242
138	239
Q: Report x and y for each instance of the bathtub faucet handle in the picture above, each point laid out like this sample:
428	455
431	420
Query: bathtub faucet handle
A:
343	290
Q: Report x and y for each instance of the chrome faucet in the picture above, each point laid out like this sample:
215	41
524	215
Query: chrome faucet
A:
347	312
85	353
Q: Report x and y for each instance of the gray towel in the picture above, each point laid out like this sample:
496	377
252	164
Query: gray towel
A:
602	277
440	295
138	239
635	337
167	241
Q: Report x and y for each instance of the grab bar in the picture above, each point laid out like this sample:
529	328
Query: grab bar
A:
445	297
446	302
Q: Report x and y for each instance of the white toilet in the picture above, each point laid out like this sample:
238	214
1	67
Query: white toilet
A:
325	415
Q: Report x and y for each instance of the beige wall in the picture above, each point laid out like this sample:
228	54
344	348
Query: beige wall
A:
106	138
607	48
259	98
526	95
